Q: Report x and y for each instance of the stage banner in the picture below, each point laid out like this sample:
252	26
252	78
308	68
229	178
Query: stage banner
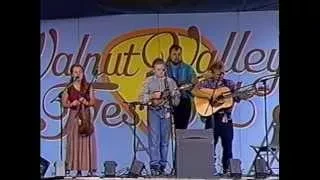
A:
123	48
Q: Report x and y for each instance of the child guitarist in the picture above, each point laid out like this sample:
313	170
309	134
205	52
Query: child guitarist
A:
156	90
220	121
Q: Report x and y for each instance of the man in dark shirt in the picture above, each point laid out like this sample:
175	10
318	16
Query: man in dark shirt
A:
182	74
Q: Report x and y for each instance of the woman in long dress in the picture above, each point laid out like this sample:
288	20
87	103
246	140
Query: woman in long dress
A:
81	142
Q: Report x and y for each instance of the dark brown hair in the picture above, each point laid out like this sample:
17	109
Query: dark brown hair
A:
84	84
174	47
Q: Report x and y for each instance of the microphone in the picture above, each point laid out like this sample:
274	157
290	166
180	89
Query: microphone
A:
67	86
95	71
268	77
136	103
74	79
264	80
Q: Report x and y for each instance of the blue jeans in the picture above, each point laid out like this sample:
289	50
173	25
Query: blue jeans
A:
158	136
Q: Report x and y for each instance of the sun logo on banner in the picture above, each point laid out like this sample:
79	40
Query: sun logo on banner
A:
127	59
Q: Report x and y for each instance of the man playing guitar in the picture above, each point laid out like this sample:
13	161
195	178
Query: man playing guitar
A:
220	120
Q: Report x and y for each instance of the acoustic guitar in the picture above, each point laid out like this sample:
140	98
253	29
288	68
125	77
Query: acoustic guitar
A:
222	99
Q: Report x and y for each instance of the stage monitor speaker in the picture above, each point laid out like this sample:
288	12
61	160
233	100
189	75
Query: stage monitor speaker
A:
260	167
110	168
136	169
235	168
60	168
194	153
44	164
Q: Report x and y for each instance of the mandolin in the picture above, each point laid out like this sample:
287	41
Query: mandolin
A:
165	94
222	99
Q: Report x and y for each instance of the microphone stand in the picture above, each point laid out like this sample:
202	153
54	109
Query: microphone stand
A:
213	93
212	119
134	134
211	98
132	107
266	120
94	78
173	130
60	167
264	81
272	76
59	99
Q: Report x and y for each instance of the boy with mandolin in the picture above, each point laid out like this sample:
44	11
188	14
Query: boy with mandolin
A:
158	90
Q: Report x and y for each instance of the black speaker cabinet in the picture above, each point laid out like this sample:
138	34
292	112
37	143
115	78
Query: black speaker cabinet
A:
44	164
136	169
235	168
260	167
195	153
110	169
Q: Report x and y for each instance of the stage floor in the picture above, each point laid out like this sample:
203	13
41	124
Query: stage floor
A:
98	178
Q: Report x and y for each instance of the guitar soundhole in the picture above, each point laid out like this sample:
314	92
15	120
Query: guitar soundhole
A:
219	98
218	102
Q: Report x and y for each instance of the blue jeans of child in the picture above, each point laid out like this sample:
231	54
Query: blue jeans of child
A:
158	136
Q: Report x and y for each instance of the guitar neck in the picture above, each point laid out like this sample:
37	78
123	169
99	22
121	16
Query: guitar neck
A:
230	94
236	93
